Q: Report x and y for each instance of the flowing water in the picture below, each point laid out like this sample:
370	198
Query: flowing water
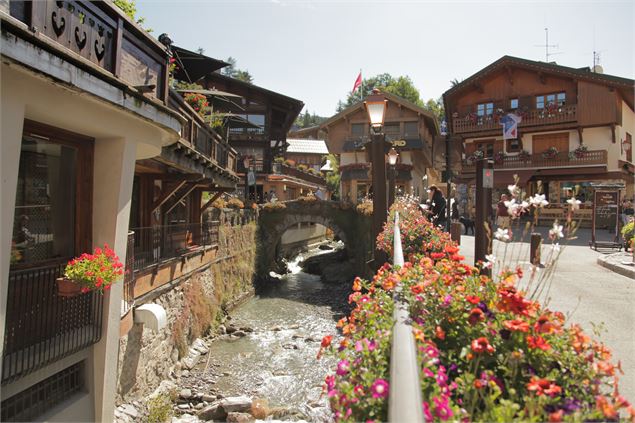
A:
277	361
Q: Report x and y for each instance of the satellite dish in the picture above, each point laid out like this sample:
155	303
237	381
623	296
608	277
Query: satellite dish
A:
598	69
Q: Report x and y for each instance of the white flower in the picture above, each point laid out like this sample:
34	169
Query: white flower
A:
555	247
490	258
556	231
538	200
502	234
512	189
575	204
514	208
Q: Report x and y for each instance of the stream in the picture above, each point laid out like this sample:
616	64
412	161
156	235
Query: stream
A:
276	359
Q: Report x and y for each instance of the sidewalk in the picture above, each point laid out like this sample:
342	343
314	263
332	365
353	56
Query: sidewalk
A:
588	294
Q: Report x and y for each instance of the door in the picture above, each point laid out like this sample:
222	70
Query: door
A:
560	141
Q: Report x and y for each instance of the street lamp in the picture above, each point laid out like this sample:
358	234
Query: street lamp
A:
448	174
392	161
376	108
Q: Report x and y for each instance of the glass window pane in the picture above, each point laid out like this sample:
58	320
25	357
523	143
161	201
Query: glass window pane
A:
44	222
540	102
391	129
357	129
551	99
480	109
489	108
513	103
411	129
561	98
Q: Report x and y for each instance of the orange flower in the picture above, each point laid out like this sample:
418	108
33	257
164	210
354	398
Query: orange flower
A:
605	407
545	325
472	299
543	387
357	284
538	342
439	333
481	345
556	416
326	341
516	325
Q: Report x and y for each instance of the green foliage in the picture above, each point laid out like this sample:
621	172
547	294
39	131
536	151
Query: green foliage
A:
628	231
95	272
233	72
401	86
333	177
129	7
307	120
436	107
159	409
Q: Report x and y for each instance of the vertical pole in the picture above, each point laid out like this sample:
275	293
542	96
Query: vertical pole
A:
391	186
482	242
534	249
448	173
379	192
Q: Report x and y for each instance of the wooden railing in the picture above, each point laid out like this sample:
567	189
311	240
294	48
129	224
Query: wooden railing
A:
100	33
536	117
297	173
593	157
41	326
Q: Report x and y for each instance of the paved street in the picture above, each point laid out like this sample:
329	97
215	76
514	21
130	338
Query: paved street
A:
593	294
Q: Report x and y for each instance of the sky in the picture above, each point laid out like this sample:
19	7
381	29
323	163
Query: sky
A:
314	50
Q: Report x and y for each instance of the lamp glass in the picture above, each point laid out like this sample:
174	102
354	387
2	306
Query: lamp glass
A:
392	157
376	112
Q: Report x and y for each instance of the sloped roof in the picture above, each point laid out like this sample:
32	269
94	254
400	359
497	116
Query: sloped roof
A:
428	116
306	146
625	84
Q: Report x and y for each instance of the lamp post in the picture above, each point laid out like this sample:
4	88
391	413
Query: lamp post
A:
392	161
448	175
376	108
246	164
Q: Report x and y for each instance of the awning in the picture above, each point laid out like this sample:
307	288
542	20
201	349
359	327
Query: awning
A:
227	102
211	92
236	121
191	66
355	174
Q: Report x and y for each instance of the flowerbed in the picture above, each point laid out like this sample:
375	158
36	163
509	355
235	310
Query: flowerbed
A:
487	352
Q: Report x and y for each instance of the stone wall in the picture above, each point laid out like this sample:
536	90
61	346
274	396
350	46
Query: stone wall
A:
195	305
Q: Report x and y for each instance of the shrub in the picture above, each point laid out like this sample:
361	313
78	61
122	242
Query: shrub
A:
302	167
235	203
159	409
365	208
628	231
278	159
487	351
219	203
274	206
313	171
309	198
289	162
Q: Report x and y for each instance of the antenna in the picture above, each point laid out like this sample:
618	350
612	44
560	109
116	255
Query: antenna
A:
546	45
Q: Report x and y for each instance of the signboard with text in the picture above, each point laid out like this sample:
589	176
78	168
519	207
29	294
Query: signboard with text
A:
605	216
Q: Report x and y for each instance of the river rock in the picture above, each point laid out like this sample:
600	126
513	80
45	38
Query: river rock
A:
129	410
209	397
231	329
240	418
185	418
290	346
185	393
276	328
239	333
191	359
295	326
213	412
236	404
246	329
183	406
199	345
297	336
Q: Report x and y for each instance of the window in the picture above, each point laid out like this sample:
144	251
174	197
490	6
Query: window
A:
485	109
362	191
513	146
486	147
357	130
392	131
557	99
411	129
513	103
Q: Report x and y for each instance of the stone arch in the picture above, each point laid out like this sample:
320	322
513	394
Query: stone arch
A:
352	228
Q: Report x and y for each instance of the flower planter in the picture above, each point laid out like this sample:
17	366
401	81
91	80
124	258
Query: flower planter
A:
67	288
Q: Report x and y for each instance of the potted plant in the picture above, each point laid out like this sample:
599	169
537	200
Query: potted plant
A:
579	152
197	101
90	272
277	164
524	155
499	157
477	155
550	153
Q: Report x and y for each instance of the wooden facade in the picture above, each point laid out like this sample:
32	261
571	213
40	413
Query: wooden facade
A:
411	130
573	123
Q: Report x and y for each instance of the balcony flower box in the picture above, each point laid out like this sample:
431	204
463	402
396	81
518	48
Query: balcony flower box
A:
579	152
90	272
524	156
550	153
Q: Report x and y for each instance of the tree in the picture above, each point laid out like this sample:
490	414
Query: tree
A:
455	82
233	72
129	7
307	120
436	107
200	50
244	75
401	86
333	176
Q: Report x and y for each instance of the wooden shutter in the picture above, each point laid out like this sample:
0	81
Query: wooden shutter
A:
542	142
498	146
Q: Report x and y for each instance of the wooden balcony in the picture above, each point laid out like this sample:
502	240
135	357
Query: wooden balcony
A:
536	117
537	161
97	35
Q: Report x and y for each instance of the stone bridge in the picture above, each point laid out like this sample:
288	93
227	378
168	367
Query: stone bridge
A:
347	224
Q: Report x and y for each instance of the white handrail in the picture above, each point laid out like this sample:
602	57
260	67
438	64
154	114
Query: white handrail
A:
404	403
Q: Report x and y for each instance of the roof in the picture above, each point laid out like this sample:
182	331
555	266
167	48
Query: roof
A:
191	66
431	120
580	73
306	146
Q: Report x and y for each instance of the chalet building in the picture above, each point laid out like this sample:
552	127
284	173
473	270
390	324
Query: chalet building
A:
576	128
84	99
411	130
258	124
308	133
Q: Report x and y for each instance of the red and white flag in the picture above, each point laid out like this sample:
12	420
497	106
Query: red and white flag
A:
358	83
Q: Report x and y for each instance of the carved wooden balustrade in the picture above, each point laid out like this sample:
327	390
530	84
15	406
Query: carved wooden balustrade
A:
100	34
538	161
536	117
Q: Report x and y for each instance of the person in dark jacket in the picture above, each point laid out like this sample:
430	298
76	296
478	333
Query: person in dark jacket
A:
438	206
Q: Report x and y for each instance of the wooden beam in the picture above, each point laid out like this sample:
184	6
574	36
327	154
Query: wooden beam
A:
166	196
211	201
179	177
581	140
613	135
191	186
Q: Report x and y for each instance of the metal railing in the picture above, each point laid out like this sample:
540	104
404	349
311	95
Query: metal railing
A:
43	327
404	403
155	244
128	278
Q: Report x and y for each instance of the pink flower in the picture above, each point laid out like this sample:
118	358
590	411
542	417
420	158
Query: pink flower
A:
426	412
330	382
343	367
428	373
442	409
379	388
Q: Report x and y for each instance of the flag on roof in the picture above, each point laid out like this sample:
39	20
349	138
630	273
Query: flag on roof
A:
510	126
358	83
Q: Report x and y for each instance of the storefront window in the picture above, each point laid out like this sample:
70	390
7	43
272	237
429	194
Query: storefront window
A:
580	190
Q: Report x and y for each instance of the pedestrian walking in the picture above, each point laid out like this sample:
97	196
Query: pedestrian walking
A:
438	204
502	214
